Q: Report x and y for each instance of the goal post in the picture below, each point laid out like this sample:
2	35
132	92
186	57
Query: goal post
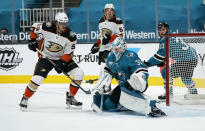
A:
185	67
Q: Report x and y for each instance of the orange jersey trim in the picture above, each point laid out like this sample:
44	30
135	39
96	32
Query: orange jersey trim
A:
98	42
66	57
33	35
113	37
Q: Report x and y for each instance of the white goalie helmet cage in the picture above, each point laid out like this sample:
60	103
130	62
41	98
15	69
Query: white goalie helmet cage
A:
119	46
61	17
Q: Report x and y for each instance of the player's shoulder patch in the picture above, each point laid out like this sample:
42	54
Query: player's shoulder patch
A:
118	21
48	24
117	18
70	35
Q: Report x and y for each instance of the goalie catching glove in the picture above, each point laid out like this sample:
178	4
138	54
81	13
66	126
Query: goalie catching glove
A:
33	44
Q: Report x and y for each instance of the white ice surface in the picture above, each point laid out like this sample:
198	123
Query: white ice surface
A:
47	112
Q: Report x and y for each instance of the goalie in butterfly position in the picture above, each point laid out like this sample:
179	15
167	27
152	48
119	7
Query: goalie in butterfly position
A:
57	44
131	73
183	61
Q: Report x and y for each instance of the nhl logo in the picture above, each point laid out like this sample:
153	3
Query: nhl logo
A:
9	59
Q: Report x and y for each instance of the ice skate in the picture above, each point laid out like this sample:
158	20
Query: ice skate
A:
72	103
192	91
163	96
156	112
193	94
23	104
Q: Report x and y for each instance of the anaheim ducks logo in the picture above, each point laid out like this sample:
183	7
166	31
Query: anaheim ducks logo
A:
53	47
106	31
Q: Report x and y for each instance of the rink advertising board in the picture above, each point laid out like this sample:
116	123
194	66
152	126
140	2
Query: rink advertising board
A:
17	63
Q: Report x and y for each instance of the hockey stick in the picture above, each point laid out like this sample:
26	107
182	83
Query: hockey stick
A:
101	102
90	81
84	57
86	91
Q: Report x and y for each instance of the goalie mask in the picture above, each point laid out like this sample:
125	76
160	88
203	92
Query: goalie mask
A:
118	47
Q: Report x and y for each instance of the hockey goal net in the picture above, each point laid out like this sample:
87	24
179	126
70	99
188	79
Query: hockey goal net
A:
185	73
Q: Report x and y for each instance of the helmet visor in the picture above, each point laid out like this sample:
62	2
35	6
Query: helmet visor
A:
63	23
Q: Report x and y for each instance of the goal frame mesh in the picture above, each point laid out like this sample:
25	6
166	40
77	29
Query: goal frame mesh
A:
168	36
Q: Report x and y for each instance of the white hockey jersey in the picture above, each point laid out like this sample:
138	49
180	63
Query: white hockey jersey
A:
114	27
54	45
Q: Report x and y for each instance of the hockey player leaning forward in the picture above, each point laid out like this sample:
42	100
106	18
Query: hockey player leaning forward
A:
109	27
181	66
57	44
131	73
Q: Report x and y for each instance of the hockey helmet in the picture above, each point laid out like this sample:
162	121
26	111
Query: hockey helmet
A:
163	24
61	18
119	46
111	6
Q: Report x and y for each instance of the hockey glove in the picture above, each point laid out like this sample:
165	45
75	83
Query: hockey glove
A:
60	66
146	63
160	64
95	48
33	44
106	39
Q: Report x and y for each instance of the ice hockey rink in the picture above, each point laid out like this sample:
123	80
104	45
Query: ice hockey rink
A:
47	112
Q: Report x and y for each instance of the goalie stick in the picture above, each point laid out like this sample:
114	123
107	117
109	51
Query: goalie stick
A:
85	91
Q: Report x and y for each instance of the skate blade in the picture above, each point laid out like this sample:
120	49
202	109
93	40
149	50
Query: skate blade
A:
156	115
160	101
73	107
23	109
96	108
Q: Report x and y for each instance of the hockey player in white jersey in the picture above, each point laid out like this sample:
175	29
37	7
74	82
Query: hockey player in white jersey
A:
57	44
110	27
132	75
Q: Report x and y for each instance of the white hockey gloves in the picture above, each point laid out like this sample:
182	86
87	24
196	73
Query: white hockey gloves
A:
137	81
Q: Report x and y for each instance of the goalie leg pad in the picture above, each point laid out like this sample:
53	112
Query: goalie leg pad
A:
136	102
